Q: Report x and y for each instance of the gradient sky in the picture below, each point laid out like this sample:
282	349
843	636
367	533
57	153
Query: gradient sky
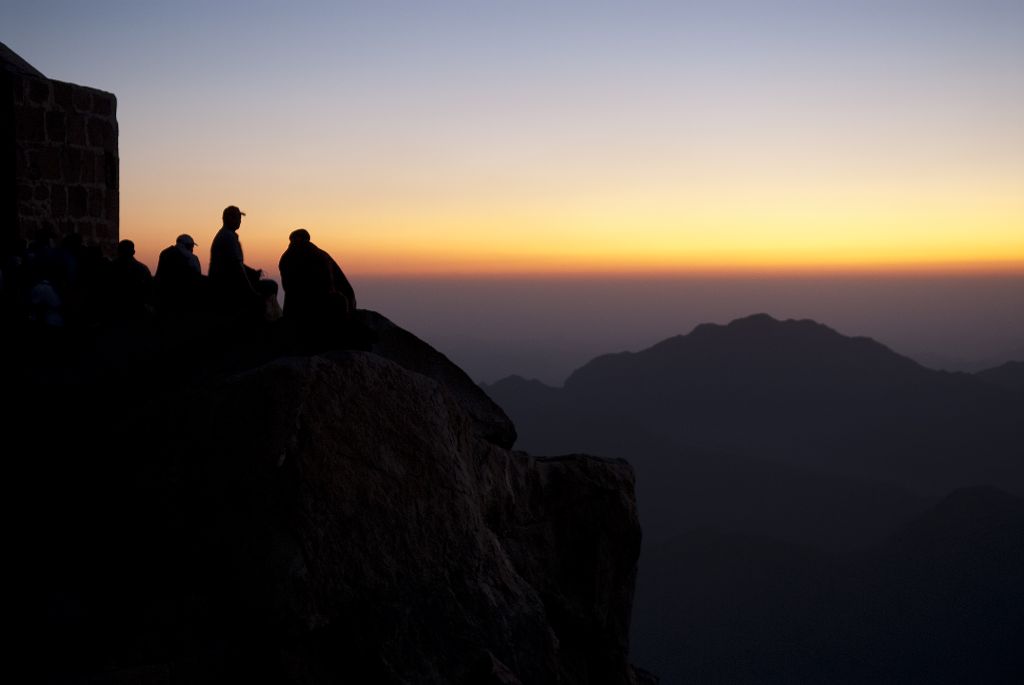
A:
499	137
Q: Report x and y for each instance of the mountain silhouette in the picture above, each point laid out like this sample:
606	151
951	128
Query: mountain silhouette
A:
790	391
1009	375
792	484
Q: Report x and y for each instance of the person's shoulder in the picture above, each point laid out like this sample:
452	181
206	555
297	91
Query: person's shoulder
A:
225	238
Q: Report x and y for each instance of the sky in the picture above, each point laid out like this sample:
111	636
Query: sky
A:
505	140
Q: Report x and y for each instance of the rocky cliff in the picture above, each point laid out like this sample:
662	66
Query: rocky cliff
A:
337	518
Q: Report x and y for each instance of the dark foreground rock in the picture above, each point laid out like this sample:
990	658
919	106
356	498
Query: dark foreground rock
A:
405	349
331	519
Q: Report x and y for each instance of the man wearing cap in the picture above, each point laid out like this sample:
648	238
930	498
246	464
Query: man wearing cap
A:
229	277
179	278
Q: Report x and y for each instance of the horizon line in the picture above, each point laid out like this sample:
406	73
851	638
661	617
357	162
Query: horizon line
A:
1009	269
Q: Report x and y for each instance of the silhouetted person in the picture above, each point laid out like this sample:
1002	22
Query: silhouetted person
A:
45	307
93	283
232	282
271	308
318	298
179	278
311	277
131	284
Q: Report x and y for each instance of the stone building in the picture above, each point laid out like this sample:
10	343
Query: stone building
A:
58	157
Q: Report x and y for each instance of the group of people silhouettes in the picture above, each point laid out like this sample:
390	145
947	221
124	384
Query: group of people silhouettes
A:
55	286
318	297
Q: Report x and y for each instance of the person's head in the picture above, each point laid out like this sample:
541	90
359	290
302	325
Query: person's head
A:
125	249
299	236
185	242
233	217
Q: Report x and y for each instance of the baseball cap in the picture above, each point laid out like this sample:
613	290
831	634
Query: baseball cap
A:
231	209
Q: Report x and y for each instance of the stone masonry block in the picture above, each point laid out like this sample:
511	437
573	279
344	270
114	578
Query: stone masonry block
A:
77	134
96	202
64	96
99	168
56	127
30	124
31	171
83	100
78	201
103	105
101	133
71	164
29	227
59	199
110	211
87	230
87	167
28	209
46	162
39	91
109	176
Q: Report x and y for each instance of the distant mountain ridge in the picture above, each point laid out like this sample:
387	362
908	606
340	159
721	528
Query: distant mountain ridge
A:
794	487
757	344
794	391
1009	375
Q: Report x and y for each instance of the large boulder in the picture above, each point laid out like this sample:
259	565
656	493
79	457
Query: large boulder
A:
341	518
407	350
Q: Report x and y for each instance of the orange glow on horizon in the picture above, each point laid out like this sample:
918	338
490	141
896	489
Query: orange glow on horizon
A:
964	269
411	262
448	258
861	230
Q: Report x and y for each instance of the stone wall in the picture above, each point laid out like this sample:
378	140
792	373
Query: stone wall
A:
65	166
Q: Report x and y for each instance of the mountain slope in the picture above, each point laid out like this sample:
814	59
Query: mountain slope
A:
795	392
788	478
1009	375
940	601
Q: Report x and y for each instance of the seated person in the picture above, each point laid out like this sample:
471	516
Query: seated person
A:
318	298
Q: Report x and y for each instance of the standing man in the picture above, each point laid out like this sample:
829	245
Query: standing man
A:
229	276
